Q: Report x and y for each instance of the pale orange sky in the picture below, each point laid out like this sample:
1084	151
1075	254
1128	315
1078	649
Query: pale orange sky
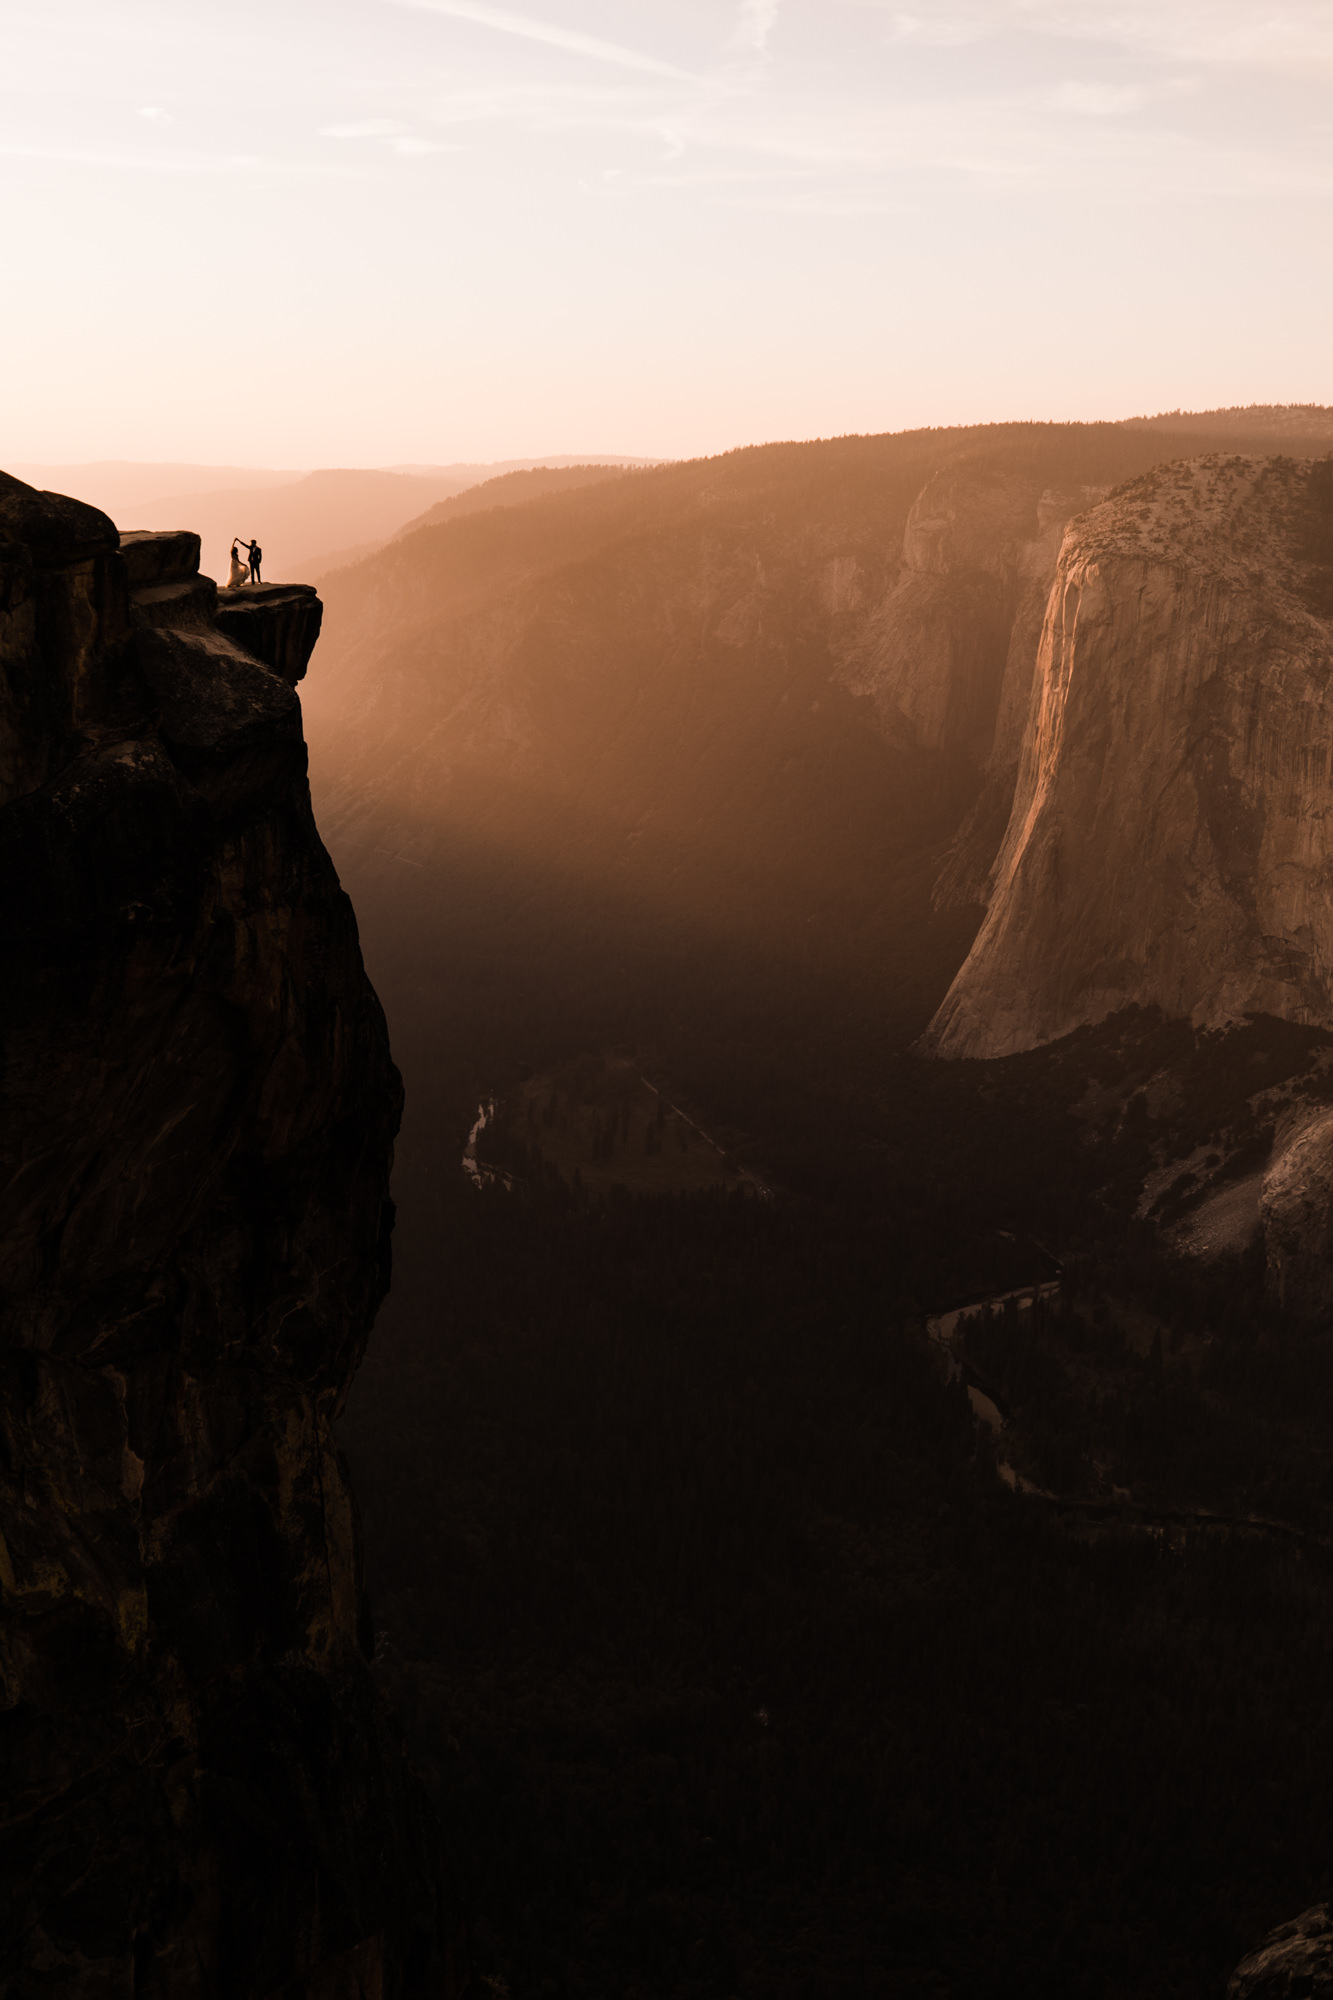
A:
315	232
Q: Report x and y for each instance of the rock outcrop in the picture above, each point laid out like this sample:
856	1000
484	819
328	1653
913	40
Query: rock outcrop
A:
947	657
1296	1216
1171	837
1294	1962
202	1794
277	622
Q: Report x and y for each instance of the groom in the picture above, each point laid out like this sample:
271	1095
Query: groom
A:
256	557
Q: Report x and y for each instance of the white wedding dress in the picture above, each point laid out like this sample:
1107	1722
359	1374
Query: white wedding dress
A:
239	573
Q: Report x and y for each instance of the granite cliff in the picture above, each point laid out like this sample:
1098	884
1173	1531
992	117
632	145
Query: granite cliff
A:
1169	845
1169	842
779	691
202	1793
946	656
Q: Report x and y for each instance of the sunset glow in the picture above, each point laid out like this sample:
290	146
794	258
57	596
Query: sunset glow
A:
384	231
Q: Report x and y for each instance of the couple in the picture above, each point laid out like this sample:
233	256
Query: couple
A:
238	573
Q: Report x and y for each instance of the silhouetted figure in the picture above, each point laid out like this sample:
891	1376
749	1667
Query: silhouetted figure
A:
256	557
238	571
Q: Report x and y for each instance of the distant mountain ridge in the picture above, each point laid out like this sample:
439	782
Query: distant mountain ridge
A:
907	574
301	519
510	489
1309	421
779	699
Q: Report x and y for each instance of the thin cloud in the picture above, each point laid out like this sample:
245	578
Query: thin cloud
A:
1290	37
552	109
364	128
146	163
1097	139
1093	130
819	205
758	18
711	177
541	103
399	138
1098	100
1229	32
1008	142
938	30
567	39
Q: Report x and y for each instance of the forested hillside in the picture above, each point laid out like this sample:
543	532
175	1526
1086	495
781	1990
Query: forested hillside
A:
747	1655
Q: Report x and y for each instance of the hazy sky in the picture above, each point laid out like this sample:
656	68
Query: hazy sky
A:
312	232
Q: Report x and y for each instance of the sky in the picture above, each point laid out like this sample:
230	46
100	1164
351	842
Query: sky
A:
368	232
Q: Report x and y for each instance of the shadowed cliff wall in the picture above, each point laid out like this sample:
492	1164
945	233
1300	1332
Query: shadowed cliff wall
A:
200	1792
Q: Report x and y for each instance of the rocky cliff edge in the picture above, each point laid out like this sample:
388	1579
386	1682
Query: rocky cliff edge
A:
201	1794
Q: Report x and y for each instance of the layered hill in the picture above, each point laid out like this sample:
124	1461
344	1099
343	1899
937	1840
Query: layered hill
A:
719	759
1306	427
304	521
780	699
301	523
507	489
119	487
750	689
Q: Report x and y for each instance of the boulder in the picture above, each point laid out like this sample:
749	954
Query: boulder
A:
157	556
52	529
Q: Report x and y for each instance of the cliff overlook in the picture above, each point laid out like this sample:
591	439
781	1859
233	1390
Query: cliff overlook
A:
202	1793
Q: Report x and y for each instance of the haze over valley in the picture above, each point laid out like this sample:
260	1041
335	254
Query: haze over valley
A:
851	918
708	775
666	1053
312	521
852	923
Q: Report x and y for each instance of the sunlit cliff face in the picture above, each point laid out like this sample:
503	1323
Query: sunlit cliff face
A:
774	702
1168	843
427	230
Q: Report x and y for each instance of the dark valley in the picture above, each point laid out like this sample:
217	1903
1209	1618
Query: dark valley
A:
844	1461
745	782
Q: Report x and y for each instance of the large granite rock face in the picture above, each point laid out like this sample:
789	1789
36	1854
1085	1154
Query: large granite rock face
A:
947	656
1294	1962
1170	841
202	1795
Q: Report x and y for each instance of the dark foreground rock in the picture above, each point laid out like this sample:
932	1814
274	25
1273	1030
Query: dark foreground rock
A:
277	622
1294	1962
200	1792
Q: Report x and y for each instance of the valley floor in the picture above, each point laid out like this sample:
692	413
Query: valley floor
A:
740	1668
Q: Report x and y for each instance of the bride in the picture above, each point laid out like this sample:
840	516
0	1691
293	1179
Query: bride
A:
239	572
